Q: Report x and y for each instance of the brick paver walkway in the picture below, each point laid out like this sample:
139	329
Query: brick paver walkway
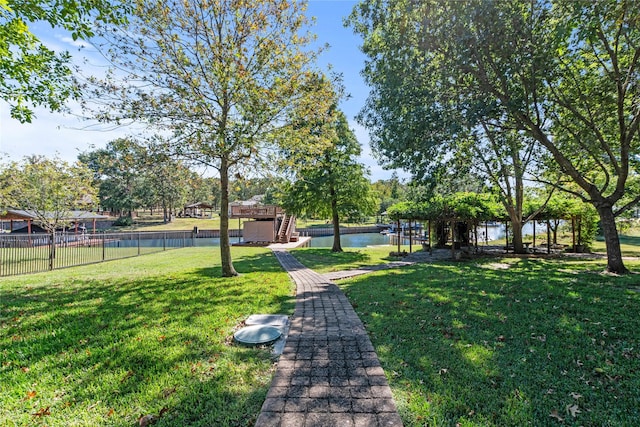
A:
329	373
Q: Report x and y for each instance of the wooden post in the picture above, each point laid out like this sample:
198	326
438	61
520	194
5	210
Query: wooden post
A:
410	238
534	233
548	237
506	236
486	234
398	232
429	236
579	220
573	233
453	238
475	234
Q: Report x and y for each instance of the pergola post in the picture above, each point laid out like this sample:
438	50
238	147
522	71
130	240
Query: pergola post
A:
573	233
486	234
475	234
453	239
506	236
534	233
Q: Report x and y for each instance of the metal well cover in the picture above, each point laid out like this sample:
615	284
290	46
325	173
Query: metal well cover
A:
257	334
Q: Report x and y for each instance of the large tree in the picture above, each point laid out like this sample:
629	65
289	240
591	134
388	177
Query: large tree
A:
564	73
332	184
224	78
31	73
504	157
48	188
118	174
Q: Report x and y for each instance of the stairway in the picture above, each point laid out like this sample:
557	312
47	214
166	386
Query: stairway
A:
286	227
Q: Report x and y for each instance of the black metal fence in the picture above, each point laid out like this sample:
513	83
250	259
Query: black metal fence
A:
32	253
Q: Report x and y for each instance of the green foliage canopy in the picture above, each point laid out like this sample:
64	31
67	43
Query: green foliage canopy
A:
49	188
225	80
463	206
332	182
32	74
563	73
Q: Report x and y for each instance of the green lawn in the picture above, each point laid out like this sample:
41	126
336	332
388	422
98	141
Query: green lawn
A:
323	260
107	343
487	342
155	223
506	342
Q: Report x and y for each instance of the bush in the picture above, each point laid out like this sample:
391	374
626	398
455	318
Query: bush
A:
123	221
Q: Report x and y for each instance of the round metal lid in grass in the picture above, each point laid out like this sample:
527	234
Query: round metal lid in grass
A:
257	334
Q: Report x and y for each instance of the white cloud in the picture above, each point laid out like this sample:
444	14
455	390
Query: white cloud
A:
49	134
78	44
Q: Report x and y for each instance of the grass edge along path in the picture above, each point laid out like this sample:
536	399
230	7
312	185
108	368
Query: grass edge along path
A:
506	342
322	260
150	336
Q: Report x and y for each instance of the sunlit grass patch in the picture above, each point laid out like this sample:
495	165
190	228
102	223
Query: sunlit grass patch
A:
105	344
323	260
542	341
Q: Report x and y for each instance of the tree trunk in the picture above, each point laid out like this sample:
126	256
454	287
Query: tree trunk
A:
516	229
165	214
611	239
225	244
335	218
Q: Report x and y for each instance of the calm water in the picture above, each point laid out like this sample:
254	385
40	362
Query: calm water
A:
497	232
360	240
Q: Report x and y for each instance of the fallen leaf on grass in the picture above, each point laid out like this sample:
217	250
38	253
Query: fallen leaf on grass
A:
168	392
42	412
128	375
147	420
30	395
110	413
24	369
574	410
576	395
554	414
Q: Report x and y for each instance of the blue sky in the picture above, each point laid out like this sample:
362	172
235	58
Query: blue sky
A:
65	135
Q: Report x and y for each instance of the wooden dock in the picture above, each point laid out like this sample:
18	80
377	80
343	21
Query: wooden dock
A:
303	242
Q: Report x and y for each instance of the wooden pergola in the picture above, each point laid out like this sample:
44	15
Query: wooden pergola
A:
193	210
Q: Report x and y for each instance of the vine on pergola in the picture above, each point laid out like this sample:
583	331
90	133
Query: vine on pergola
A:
473	208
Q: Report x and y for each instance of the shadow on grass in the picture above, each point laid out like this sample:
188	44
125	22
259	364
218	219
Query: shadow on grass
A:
514	343
320	258
104	352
